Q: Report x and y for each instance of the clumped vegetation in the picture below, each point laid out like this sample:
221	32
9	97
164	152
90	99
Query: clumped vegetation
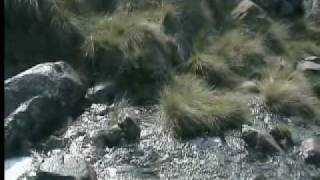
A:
190	108
243	53
289	95
143	44
283	40
213	69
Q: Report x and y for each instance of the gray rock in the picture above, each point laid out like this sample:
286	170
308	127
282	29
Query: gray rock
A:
53	79
102	93
249	13
308	66
37	101
65	167
33	120
315	59
260	141
130	128
312	9
107	137
310	150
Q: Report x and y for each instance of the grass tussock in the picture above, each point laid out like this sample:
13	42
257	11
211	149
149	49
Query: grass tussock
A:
294	44
290	95
302	48
213	69
191	109
244	54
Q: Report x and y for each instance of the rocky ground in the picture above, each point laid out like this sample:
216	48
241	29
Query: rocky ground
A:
82	89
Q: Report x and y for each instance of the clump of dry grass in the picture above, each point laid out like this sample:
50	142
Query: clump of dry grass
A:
289	94
244	54
191	109
213	69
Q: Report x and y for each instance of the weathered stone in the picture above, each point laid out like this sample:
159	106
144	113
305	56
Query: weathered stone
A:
260	141
33	120
102	93
130	128
250	14
308	66
37	101
65	167
310	149
315	59
55	79
107	137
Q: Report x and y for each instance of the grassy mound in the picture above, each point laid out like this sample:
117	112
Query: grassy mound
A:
289	95
213	69
191	109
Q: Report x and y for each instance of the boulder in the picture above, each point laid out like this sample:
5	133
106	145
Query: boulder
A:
37	102
65	167
308	66
310	150
102	93
107	137
54	79
250	14
130	128
259	140
33	120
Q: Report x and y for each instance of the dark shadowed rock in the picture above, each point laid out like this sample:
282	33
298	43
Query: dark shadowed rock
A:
33	120
130	128
260	141
55	79
283	136
37	101
65	167
102	93
107	137
250	14
310	149
282	8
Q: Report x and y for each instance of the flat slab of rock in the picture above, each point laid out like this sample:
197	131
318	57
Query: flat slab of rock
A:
66	167
308	66
310	149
